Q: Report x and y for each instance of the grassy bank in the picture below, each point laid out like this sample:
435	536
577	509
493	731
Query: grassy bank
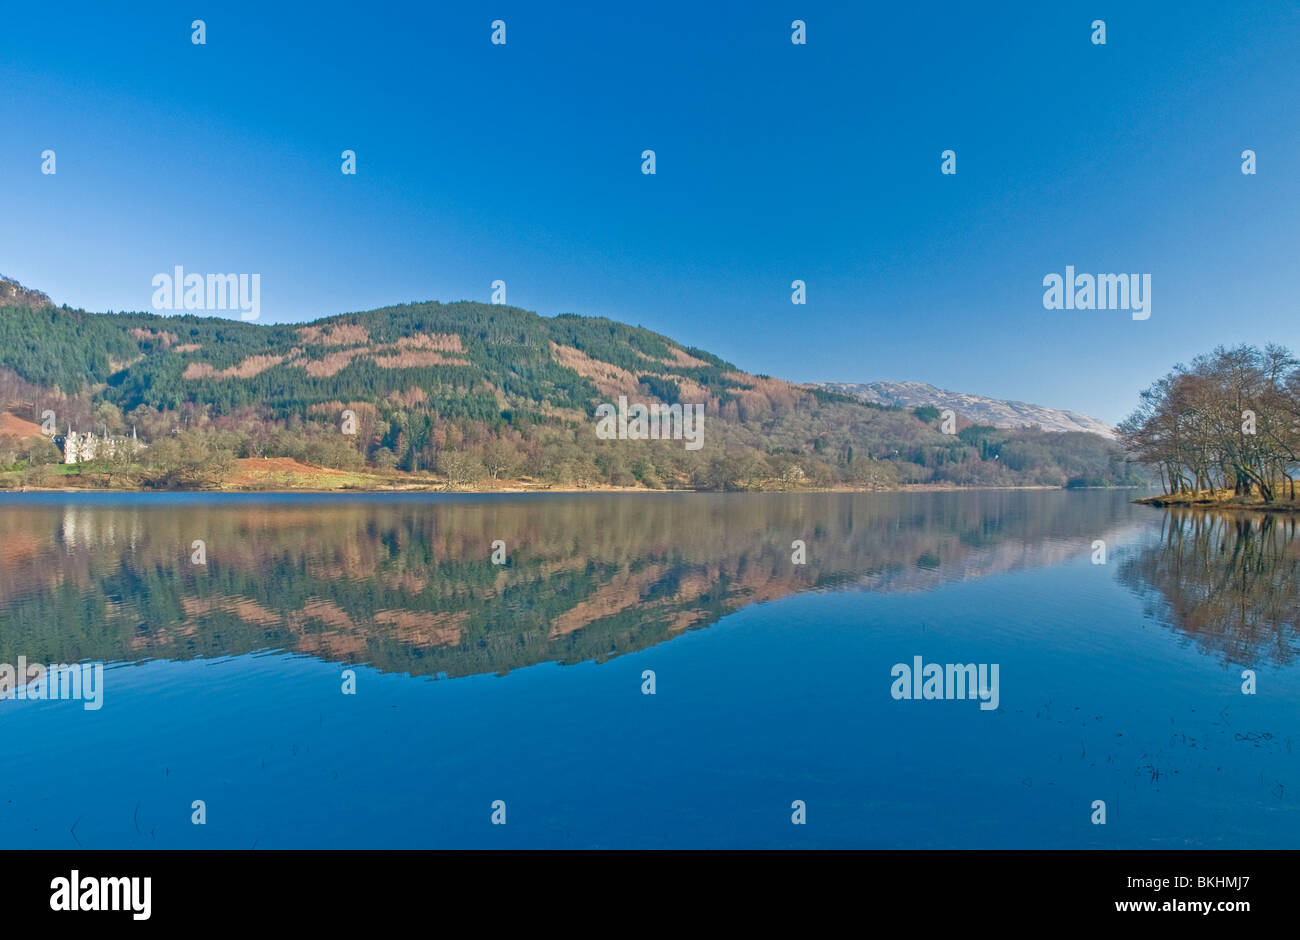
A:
285	475
1221	500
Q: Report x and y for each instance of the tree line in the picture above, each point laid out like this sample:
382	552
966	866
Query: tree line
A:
1228	421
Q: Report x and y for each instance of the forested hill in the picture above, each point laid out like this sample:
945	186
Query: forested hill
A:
12	293
488	390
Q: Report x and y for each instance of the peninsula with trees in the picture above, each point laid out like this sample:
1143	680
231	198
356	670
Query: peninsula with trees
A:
1223	431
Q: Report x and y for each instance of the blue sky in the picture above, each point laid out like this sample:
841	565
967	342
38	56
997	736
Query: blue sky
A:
775	162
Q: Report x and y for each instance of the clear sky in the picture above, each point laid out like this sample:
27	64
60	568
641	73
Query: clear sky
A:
775	161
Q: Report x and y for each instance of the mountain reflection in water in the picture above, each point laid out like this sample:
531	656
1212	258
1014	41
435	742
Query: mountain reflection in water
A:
407	584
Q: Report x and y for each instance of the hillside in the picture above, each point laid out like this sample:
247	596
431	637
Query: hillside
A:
976	408
13	426
14	294
480	391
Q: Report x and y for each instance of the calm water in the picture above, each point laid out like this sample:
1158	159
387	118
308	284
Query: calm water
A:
522	682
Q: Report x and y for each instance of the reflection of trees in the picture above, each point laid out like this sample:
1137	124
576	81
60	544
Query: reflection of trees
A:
407	585
1230	581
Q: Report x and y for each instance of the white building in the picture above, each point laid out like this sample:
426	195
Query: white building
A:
79	448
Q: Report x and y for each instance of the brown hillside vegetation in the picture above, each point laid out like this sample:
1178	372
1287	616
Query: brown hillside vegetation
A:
14	426
253	365
337	334
252	470
610	379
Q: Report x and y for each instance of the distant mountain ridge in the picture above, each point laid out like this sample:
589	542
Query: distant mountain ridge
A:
992	411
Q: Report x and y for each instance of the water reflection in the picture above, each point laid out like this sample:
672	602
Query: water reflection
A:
1229	581
407	584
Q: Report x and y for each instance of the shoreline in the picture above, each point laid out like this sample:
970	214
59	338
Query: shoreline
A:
1211	502
518	488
